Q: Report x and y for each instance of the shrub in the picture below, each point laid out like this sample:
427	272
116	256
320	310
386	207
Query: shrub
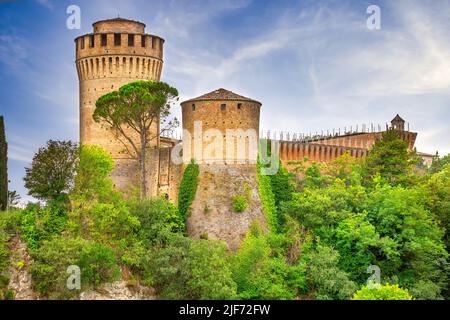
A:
240	203
383	292
42	223
258	274
192	269
188	188
158	218
51	260
49	270
98	264
93	181
325	280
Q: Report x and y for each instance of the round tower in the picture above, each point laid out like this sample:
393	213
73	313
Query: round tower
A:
116	53
221	127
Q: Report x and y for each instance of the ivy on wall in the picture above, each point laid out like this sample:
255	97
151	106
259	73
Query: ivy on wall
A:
188	188
267	198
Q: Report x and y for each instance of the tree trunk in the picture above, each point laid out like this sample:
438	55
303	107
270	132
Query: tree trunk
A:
143	168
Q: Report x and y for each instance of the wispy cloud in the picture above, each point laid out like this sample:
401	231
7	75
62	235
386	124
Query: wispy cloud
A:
46	3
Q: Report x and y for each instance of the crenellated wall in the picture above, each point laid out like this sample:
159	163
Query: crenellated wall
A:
297	151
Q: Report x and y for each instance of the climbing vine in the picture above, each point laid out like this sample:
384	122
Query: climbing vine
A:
188	188
267	198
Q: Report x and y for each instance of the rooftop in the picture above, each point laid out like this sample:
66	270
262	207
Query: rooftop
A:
118	19
221	94
398	118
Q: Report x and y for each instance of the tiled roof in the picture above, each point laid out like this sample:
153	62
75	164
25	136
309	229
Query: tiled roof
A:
221	94
398	118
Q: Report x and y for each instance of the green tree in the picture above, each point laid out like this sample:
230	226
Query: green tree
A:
324	278
383	292
439	163
389	158
13	198
93	181
400	214
52	171
437	194
3	167
140	106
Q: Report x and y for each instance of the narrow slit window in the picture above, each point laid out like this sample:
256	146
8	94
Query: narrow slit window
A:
193	107
104	40
143	41
131	40
82	43
91	40
117	39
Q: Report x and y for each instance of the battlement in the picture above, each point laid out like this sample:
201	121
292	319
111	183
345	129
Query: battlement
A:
119	43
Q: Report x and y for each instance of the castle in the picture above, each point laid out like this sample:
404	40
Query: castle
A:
220	131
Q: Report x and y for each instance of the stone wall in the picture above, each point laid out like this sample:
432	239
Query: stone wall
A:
237	116
212	212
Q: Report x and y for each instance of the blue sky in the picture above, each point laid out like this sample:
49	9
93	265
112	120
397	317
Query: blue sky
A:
313	64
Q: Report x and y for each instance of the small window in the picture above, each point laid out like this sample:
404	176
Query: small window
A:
131	40
239	105
117	39
153	42
104	40
91	40
143	41
82	43
193	107
223	107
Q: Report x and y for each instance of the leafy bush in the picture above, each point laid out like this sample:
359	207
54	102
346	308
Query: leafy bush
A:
105	223
42	223
192	269
282	185
93	181
49	270
383	292
188	188
240	203
325	280
258	274
98	264
51	260
158	218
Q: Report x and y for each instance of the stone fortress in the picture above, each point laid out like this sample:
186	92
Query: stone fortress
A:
119	51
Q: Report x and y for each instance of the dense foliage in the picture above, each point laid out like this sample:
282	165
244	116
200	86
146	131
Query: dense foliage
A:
328	224
383	292
52	170
188	188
